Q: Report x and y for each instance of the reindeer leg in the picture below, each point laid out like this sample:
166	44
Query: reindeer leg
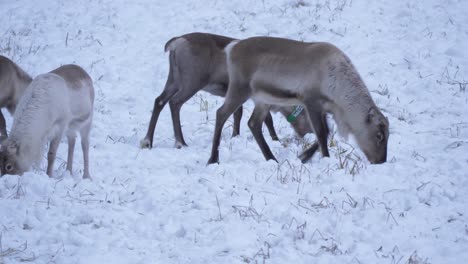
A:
71	147
175	113
84	135
259	114
309	153
271	129
3	130
321	134
326	130
159	104
320	129
53	146
169	90
237	119
189	86
236	96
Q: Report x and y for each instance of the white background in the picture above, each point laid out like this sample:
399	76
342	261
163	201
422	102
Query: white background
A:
165	206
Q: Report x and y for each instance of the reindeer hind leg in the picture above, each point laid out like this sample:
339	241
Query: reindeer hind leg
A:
237	119
84	135
71	138
259	114
159	104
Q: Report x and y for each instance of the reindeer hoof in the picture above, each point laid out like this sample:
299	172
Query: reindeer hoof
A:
304	157
145	143
309	153
212	160
272	158
179	145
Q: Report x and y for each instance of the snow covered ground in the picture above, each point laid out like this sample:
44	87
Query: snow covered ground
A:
165	205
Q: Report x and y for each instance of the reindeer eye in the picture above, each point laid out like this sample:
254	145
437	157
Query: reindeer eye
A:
380	136
8	167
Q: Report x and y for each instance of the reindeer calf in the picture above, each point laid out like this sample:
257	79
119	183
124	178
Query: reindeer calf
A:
56	103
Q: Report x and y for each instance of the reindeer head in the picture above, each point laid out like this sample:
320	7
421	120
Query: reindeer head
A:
373	136
9	153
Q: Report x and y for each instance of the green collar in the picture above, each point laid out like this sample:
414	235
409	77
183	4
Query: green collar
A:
297	111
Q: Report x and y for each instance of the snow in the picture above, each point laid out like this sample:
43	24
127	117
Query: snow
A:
165	205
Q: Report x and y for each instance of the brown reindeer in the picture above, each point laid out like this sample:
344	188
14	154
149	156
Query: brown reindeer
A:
197	61
318	76
13	82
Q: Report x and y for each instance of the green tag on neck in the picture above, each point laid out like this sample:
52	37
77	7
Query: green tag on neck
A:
293	116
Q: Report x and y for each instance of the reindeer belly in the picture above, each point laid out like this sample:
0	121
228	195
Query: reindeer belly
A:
269	93
274	99
80	109
216	89
57	128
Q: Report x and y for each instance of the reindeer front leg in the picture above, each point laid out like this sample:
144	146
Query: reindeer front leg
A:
3	130
222	115
271	128
159	104
237	95
320	127
309	153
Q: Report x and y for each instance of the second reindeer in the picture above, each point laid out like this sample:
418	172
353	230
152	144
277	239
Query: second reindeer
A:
318	76
54	104
197	61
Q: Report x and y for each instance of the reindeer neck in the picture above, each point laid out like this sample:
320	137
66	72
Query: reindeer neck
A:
29	128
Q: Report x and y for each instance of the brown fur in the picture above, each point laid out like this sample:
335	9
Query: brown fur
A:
13	82
197	61
318	76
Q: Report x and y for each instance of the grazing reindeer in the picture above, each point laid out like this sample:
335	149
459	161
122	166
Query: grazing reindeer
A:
56	103
318	76
197	61
13	82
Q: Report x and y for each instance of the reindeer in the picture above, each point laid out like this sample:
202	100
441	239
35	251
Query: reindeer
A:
56	103
197	61
318	76
13	82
